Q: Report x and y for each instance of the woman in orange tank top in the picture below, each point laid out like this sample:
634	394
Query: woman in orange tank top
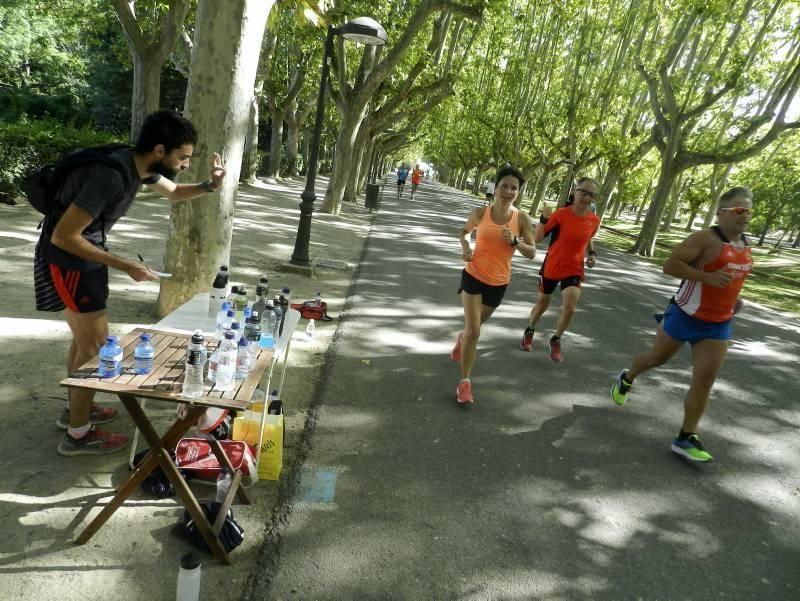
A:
501	230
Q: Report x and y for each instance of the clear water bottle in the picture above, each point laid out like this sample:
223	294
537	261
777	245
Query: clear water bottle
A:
110	358
268	327
310	328
221	315
242	359
240	303
213	360
143	355
219	290
236	328
226	363
318	299
224	481
252	332
196	355
261	297
277	309
189	577
286	297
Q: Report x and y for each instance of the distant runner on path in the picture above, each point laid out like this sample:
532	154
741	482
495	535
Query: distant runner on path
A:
402	175
572	228
713	265
502	229
416	178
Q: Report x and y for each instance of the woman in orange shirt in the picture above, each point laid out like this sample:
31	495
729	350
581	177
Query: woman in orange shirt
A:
501	230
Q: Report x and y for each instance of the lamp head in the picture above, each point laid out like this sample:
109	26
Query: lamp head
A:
364	30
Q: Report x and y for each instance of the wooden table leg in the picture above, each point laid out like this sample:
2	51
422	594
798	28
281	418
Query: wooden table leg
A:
225	461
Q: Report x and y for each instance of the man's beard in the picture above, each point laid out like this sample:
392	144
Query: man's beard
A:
160	168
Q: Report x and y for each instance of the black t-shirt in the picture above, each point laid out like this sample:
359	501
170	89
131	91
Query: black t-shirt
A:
101	191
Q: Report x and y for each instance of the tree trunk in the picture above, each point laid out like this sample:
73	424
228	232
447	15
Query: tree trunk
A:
250	160
476	186
541	188
607	188
796	243
690	223
763	235
146	91
223	72
342	163
291	149
275	144
647	237
672	209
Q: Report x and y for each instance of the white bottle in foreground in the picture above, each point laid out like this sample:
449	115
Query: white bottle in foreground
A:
310	329
189	579
196	355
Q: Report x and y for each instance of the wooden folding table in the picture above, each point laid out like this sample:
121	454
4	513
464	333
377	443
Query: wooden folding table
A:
164	384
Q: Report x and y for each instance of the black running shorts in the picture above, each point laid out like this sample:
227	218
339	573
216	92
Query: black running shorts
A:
547	286
491	296
79	291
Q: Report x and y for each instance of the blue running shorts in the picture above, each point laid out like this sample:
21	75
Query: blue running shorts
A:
683	327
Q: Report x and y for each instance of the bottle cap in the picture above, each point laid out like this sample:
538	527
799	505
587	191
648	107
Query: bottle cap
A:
145	337
234	289
197	337
111	339
236	326
225	306
190	561
231	313
263	279
270	305
242	341
248	312
286	291
229	335
223	268
242	290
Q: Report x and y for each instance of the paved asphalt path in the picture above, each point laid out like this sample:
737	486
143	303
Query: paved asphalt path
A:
544	489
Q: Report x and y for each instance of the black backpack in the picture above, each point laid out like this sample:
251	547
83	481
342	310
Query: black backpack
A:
42	185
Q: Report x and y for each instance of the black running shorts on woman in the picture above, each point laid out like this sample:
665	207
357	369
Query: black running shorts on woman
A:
491	296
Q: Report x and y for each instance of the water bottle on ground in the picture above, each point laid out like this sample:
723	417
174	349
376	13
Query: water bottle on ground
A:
189	579
226	363
242	359
196	355
143	355
240	303
261	297
310	328
219	290
268	327
110	358
224	481
318	299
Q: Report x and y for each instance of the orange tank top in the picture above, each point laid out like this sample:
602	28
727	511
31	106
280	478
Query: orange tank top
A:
491	259
716	304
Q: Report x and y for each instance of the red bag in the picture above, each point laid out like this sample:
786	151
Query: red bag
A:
196	457
310	310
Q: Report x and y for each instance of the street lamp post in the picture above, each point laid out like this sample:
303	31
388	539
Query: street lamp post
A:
363	30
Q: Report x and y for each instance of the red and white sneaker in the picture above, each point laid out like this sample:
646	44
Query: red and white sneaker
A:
464	392
555	349
455	354
526	344
99	414
96	442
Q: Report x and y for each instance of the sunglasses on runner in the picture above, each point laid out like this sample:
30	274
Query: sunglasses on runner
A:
588	193
737	210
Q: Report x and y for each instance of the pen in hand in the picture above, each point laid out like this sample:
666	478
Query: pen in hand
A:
143	263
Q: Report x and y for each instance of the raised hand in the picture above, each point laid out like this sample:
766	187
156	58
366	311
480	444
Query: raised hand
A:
217	171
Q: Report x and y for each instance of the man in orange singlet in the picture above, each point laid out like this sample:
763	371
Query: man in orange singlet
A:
713	265
501	230
572	229
416	178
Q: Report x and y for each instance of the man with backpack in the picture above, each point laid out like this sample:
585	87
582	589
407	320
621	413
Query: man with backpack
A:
86	193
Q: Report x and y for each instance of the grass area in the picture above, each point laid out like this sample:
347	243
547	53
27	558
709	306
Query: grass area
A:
780	295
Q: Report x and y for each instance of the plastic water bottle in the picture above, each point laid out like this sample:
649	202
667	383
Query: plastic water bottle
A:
286	301
110	358
226	363
286	295
261	297
268	327
224	481
189	579
278	311
213	360
219	290
221	315
196	355
252	332
310	328
236	328
318	299
143	355
242	359
273	396
240	303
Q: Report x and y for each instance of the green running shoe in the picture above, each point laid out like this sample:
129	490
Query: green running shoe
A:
692	449
619	391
